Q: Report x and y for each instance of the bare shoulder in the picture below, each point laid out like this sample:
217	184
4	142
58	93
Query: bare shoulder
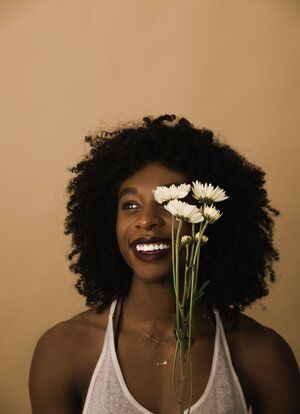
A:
267	365
260	344
74	332
61	355
81	333
262	338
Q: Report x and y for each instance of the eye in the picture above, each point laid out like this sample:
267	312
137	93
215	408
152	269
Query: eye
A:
131	202
124	205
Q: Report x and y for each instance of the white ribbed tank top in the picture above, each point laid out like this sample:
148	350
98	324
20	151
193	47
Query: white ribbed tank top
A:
108	393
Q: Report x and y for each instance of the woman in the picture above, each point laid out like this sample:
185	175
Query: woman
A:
117	357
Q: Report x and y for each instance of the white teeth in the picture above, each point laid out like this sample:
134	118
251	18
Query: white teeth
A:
151	247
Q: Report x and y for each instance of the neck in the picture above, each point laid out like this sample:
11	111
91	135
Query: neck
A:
150	306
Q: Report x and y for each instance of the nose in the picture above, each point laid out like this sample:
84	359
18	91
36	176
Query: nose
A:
149	218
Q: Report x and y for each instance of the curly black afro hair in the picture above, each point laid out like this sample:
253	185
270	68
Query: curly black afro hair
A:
240	255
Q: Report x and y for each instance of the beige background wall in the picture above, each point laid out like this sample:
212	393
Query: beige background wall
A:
66	65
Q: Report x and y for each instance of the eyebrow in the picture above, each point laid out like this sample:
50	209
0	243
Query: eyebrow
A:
133	190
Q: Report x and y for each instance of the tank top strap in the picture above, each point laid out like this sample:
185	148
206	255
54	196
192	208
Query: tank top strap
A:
113	331
219	325
218	328
109	325
217	318
215	309
112	308
227	355
221	328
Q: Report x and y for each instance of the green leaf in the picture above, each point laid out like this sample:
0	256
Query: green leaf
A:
204	284
199	293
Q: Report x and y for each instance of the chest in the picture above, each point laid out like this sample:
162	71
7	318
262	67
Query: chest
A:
154	389
151	385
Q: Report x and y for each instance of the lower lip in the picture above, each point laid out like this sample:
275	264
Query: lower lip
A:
151	256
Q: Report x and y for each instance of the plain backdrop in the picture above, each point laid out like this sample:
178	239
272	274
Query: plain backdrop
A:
68	66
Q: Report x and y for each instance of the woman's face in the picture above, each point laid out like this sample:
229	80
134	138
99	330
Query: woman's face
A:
140	215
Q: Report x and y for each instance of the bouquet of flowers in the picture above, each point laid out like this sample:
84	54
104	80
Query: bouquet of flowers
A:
206	214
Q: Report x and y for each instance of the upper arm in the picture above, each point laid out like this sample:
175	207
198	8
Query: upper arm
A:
51	374
276	376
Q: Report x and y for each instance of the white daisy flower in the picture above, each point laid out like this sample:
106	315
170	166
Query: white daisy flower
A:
211	214
184	211
163	193
206	193
204	238
186	240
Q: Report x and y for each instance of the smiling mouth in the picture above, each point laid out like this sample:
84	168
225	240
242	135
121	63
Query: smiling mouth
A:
149	256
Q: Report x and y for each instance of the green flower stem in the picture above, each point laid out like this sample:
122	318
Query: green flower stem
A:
177	258
182	381
175	282
195	260
196	269
189	289
201	232
189	358
181	327
173	254
174	370
189	263
191	388
179	309
193	237
198	256
178	306
188	286
186	282
177	271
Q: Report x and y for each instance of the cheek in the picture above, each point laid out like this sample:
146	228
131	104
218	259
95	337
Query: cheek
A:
123	226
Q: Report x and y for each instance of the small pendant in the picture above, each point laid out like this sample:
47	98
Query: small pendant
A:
161	363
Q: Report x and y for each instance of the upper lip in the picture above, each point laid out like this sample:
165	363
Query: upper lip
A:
142	240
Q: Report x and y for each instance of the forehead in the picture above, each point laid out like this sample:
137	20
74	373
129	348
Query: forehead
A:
150	177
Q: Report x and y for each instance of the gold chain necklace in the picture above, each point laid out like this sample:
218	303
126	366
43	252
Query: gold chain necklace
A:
157	343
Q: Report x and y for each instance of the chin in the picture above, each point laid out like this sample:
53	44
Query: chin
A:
157	270
153	275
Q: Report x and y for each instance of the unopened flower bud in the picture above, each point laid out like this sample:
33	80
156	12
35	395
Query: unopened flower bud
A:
203	239
185	240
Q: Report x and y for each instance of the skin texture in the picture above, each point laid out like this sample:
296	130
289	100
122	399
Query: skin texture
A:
66	355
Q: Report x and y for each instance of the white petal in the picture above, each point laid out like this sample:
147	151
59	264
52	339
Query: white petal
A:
208	193
163	193
211	214
185	211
